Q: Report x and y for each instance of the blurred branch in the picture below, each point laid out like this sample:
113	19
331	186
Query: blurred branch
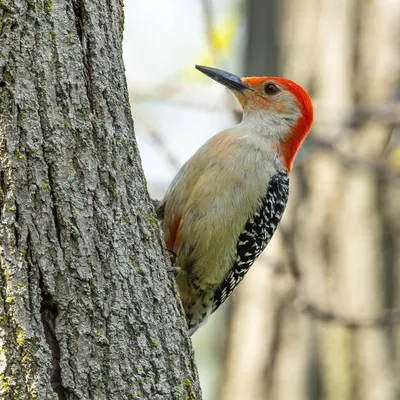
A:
387	318
157	97
378	167
157	138
292	295
388	113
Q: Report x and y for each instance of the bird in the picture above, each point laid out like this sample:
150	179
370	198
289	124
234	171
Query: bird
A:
225	203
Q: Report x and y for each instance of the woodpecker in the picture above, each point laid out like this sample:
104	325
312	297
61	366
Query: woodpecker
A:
225	203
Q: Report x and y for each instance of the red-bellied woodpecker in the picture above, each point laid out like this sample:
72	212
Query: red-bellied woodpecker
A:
225	203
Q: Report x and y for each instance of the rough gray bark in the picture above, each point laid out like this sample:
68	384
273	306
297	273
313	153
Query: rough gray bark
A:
86	308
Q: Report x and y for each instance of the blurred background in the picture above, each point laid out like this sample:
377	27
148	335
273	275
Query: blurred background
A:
315	318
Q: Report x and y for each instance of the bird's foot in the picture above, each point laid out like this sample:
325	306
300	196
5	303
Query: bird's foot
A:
173	270
172	256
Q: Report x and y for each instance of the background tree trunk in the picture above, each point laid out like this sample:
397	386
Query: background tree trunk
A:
86	308
340	233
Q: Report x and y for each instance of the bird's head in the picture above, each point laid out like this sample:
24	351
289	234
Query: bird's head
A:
280	107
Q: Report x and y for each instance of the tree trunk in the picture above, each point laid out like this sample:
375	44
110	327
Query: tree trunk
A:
86	308
341	229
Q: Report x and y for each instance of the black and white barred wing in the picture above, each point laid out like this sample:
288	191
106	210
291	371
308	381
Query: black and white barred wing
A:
256	235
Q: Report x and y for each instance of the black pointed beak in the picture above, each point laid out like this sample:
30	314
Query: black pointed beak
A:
225	78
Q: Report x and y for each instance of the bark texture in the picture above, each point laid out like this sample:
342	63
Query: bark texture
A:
342	226
86	308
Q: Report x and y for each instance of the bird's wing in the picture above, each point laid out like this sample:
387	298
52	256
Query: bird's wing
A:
256	234
184	187
171	207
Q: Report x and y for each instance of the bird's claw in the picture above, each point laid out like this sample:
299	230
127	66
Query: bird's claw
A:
172	256
173	270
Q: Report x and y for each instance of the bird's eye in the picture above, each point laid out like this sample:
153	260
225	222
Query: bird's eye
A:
271	88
